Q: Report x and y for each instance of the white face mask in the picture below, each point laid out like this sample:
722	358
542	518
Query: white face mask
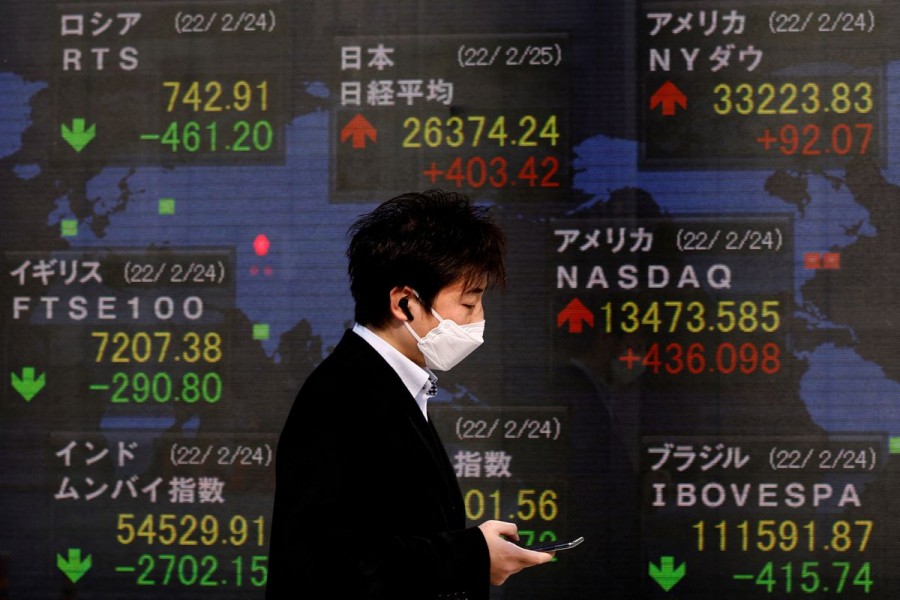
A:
447	344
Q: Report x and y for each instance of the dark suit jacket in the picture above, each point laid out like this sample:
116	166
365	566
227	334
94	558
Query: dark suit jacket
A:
366	502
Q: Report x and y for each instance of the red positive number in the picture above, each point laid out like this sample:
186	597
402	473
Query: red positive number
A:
813	140
497	172
694	359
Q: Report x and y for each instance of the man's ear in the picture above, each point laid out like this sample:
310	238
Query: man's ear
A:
400	297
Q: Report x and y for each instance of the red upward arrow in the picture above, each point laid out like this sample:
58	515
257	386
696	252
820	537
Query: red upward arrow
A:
576	314
359	129
668	95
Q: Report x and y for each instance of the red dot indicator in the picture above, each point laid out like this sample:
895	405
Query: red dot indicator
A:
261	245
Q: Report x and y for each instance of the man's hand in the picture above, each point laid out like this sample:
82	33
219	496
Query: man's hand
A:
506	557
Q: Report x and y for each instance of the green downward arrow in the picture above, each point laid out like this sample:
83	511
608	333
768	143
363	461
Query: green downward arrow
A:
77	136
666	575
73	566
27	385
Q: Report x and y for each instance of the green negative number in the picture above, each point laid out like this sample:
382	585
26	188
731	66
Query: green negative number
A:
159	387
814	576
258	136
192	136
187	570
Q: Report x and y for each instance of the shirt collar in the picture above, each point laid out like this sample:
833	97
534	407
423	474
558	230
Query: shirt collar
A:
418	381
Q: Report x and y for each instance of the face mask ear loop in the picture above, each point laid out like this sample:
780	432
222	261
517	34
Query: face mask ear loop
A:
412	331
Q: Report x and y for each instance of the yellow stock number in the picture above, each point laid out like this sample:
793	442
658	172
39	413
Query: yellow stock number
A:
215	96
770	535
156	346
725	316
529	504
792	99
473	130
189	530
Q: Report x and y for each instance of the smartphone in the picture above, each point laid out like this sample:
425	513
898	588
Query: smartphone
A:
556	545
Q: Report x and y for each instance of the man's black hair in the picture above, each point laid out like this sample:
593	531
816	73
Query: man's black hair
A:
427	241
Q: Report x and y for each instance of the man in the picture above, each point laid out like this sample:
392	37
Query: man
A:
366	503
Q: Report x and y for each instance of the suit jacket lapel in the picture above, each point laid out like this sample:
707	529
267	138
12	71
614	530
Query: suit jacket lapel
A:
384	376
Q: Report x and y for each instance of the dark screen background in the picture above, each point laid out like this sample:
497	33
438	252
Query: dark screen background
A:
694	364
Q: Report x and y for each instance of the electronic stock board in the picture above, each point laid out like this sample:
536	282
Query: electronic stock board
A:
695	363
